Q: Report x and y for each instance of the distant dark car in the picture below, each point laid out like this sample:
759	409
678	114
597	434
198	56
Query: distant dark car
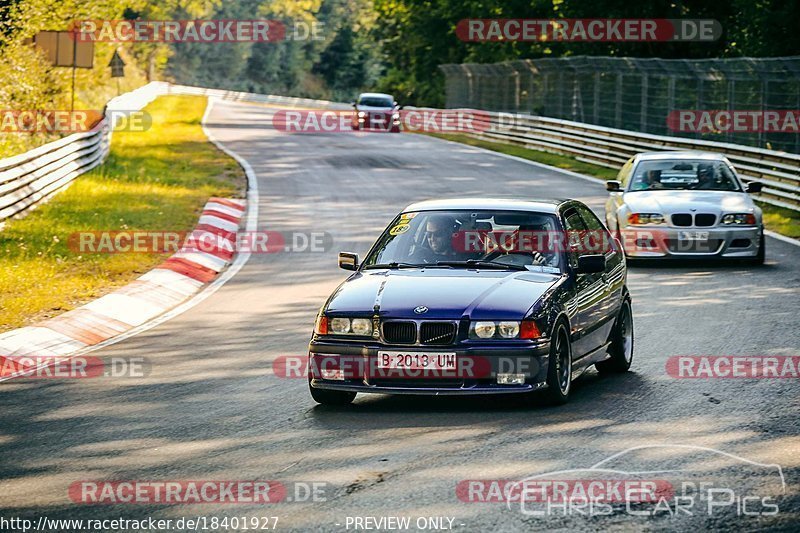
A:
377	112
426	314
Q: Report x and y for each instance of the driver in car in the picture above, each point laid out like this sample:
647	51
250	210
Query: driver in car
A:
438	244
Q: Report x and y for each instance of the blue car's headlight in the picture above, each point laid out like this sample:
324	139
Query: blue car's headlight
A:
361	327
504	329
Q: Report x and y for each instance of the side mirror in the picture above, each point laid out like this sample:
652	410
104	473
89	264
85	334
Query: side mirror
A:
399	107
613	186
353	103
589	264
755	186
348	261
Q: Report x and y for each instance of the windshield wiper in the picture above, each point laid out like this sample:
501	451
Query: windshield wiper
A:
477	263
394	265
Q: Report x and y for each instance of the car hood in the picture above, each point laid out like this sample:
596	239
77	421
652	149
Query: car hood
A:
448	294
669	202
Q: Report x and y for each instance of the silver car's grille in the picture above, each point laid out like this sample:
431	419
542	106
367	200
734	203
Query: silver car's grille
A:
699	220
711	246
682	219
704	220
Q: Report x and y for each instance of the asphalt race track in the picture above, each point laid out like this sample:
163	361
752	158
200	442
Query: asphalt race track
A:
212	408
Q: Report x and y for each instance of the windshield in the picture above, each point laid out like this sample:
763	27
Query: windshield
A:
683	175
468	239
376	101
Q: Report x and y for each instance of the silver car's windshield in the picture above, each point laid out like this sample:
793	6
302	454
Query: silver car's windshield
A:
683	174
460	238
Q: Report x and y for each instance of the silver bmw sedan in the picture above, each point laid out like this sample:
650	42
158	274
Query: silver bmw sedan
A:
684	205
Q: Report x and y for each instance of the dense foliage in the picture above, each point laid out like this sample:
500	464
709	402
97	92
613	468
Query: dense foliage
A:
394	45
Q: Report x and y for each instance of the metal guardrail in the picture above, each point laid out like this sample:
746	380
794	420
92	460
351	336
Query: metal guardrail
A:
31	178
608	147
287	101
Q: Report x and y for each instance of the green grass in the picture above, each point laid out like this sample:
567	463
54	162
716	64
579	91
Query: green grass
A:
154	180
780	220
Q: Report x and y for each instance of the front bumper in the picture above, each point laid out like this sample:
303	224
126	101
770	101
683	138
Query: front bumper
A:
477	368
722	242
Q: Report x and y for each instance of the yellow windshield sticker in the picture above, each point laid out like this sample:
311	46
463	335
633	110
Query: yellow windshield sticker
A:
399	229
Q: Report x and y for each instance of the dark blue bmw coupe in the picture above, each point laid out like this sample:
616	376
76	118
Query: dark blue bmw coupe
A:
476	296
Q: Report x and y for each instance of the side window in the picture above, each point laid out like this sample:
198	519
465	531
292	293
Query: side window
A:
624	174
576	228
597	240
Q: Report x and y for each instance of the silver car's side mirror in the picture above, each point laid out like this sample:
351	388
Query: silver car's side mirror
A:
754	186
613	186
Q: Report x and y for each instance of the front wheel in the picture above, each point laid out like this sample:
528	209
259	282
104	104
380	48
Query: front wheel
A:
621	348
762	252
559	368
331	397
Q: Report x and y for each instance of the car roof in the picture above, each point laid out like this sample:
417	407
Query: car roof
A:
680	154
384	95
539	205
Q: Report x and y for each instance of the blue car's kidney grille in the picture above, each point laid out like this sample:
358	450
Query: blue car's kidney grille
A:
437	333
397	332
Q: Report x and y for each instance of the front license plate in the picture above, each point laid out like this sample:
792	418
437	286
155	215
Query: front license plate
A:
416	361
693	235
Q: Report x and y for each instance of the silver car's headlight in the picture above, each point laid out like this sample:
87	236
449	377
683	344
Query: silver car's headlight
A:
645	219
739	219
361	114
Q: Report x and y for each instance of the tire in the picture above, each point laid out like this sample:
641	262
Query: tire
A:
559	374
621	348
331	397
762	252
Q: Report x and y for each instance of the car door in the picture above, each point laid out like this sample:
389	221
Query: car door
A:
590	290
614	276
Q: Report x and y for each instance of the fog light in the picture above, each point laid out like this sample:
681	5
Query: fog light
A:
332	373
510	379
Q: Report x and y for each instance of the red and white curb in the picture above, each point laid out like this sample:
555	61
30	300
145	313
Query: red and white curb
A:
168	285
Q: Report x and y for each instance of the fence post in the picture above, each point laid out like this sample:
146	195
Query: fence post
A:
699	102
643	115
670	98
618	103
